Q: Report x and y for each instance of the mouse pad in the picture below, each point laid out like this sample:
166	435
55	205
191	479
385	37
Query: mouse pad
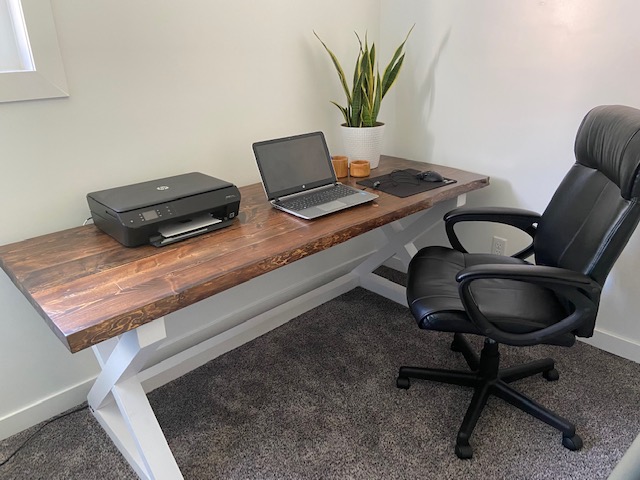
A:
403	183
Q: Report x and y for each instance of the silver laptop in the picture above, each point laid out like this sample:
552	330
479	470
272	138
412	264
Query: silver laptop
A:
298	177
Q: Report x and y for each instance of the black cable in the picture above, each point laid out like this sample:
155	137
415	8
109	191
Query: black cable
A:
402	176
397	177
51	420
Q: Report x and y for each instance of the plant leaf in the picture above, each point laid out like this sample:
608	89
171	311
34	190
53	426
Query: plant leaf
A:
377	103
390	76
345	114
371	78
365	68
356	104
336	63
368	90
398	51
366	113
393	68
357	70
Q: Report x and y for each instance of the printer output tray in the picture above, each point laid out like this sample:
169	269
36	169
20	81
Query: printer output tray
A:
174	232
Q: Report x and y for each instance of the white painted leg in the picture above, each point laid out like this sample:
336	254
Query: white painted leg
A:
384	287
120	404
400	243
395	243
408	251
104	350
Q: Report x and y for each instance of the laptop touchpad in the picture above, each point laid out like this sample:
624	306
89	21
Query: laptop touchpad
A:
327	207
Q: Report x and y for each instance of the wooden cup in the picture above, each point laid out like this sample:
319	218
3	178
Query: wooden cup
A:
340	165
360	168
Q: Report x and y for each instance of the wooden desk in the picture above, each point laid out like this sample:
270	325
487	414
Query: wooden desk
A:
93	292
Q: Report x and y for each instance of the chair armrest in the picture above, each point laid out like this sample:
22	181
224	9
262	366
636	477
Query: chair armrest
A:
578	289
524	220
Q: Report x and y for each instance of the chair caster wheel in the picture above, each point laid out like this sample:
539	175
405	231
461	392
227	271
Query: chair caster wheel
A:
403	382
464	451
551	375
572	443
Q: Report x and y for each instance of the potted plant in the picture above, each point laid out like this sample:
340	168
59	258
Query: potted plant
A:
362	133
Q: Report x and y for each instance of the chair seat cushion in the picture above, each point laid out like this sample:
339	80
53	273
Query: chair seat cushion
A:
514	307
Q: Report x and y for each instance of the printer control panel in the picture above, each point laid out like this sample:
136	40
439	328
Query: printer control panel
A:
156	214
143	216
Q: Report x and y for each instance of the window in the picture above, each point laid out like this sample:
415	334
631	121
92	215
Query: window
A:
30	62
15	51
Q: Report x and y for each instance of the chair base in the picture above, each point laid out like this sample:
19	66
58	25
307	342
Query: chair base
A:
486	378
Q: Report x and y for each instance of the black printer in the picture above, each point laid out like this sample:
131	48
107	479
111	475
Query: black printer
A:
164	211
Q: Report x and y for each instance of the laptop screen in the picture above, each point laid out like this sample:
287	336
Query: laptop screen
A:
294	164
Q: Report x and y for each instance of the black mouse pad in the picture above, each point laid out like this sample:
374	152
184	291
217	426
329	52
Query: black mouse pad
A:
402	183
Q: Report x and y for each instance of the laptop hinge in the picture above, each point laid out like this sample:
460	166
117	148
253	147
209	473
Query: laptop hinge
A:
306	192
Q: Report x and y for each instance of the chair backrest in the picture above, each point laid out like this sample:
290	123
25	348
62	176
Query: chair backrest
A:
594	211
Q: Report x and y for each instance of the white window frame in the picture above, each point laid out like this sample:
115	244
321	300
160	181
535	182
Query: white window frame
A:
48	80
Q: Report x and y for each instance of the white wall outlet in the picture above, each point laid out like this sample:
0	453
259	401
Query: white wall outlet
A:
499	246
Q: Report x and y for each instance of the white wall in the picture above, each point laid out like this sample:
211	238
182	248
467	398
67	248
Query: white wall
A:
500	87
157	88
164	87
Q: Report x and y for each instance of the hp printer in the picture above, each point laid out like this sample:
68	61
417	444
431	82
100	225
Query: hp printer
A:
164	211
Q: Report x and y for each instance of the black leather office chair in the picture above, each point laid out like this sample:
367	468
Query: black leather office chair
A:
575	243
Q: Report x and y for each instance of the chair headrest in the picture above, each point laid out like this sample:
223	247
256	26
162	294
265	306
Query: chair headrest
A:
609	140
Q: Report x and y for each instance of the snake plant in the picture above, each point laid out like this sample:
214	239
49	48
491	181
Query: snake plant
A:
368	90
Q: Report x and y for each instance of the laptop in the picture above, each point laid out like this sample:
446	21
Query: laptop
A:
298	177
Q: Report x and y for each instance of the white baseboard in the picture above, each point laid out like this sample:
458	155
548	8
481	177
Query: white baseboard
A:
44	409
629	466
612	343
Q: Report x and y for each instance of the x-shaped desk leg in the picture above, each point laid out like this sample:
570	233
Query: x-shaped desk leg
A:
400	245
120	404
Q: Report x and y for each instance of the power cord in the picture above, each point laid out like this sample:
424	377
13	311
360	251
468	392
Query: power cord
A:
398	176
51	420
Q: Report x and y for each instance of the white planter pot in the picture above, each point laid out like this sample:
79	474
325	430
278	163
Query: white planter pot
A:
363	143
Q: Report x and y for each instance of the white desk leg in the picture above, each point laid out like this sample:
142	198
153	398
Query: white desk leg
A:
408	251
120	404
400	242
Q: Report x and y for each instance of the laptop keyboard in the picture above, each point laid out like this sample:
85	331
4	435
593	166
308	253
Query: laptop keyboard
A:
317	198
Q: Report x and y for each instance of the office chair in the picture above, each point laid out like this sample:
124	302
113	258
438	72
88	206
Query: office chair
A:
508	300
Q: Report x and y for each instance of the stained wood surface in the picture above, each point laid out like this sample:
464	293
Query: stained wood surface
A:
90	288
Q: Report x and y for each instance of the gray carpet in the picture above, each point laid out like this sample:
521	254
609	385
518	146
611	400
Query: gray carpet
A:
316	399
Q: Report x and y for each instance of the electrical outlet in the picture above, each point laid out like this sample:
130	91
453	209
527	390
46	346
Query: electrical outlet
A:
498	246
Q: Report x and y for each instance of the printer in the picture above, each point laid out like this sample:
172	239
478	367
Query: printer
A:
164	211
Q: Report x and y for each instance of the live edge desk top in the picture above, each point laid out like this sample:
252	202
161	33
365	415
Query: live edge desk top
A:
89	288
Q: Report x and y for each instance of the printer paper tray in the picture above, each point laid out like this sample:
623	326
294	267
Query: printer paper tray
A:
180	230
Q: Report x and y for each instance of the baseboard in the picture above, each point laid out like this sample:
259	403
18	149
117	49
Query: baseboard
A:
629	466
612	343
44	409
